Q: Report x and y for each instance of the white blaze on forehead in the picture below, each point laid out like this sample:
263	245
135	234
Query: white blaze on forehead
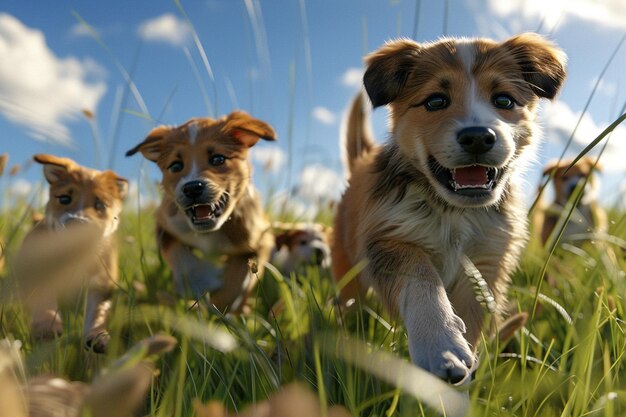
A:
479	111
192	131
466	51
192	175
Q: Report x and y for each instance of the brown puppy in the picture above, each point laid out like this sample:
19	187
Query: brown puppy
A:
588	216
73	246
442	194
210	205
300	244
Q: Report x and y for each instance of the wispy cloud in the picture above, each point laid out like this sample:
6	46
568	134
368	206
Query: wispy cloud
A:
40	91
271	158
318	183
323	115
166	28
550	13
352	77
80	30
559	120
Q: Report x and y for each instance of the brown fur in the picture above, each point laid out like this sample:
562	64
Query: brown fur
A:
229	240
73	246
405	211
589	216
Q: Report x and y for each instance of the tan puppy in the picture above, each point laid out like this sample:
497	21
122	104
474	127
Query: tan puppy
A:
442	194
210	205
300	244
73	246
588	216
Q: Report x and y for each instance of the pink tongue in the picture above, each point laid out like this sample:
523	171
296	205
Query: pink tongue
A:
202	212
470	176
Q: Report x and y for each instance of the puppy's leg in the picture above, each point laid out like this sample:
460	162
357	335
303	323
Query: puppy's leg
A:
238	282
98	307
45	318
405	277
191	274
468	309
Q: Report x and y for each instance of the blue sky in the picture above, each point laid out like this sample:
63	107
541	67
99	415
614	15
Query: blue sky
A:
293	63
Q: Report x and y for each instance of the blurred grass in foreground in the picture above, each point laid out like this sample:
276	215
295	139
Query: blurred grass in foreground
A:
569	359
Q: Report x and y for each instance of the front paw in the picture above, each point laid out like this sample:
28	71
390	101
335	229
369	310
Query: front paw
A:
445	353
47	325
198	280
97	341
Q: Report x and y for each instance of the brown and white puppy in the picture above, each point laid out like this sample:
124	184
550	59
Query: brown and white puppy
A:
210	205
588	216
300	244
442	193
74	246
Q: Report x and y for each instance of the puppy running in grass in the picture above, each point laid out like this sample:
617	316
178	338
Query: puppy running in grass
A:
589	216
73	246
299	245
210	205
442	194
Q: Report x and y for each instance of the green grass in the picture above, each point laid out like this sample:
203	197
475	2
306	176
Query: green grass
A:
567	361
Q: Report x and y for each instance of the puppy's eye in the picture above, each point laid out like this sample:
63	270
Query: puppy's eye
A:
503	101
436	102
100	206
65	199
175	167
217	159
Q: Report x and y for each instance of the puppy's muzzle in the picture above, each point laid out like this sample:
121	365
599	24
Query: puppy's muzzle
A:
476	140
194	189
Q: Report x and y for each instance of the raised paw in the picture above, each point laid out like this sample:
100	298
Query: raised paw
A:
195	280
98	341
445	353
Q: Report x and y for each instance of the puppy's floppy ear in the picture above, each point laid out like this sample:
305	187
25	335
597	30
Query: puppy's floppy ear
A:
152	146
119	183
550	166
541	62
588	162
282	239
247	130
388	68
54	168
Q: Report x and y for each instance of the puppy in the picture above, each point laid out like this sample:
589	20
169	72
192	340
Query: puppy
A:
300	244
441	196
74	246
209	205
588	216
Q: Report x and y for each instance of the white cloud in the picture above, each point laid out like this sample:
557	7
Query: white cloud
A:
20	190
141	197
272	158
352	77
80	30
607	12
323	115
559	121
318	183
165	28
40	91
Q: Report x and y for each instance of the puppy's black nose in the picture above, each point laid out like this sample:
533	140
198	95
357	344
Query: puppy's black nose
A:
476	139
194	189
318	256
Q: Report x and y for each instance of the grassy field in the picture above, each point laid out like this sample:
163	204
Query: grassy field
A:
568	360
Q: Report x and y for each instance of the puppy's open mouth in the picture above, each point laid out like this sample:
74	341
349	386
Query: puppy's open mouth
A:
207	213
473	180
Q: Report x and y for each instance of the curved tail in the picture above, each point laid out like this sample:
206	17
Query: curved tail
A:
357	133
